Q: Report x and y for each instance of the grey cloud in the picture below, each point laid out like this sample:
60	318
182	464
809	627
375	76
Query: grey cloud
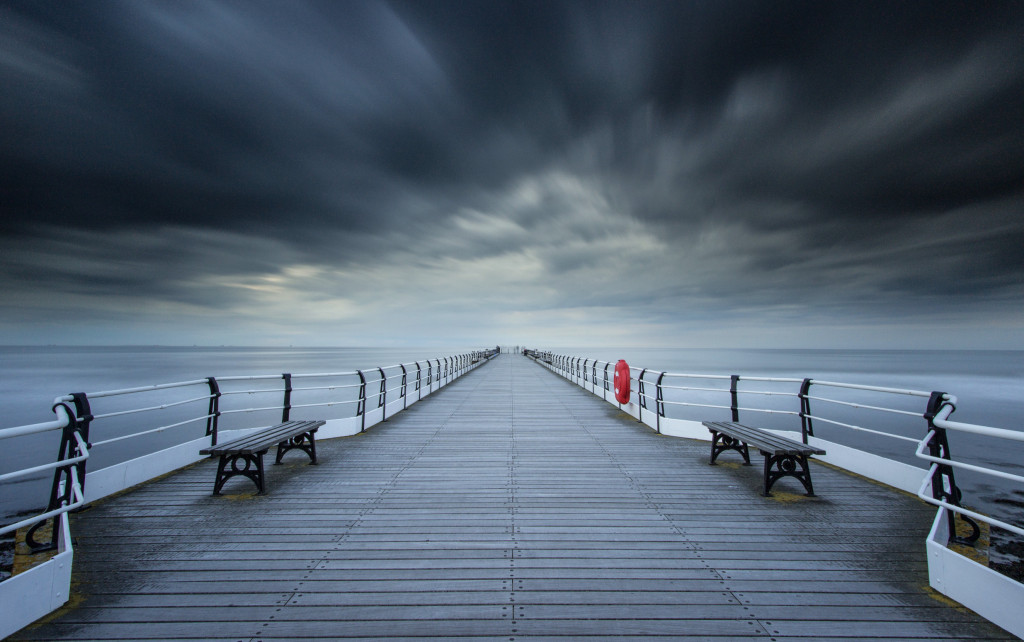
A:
676	157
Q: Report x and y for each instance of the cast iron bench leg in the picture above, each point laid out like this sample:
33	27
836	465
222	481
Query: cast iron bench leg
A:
720	442
779	466
253	469
306	442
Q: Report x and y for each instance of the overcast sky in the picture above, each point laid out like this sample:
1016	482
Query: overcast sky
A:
757	174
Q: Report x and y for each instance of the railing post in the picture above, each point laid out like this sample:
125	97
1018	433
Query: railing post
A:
604	395
83	419
585	361
735	405
361	406
806	425
660	402
944	486
437	377
213	413
641	397
419	388
382	396
430	377
78	422
287	407
405	400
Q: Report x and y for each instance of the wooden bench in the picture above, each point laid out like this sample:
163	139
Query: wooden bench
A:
782	457
244	456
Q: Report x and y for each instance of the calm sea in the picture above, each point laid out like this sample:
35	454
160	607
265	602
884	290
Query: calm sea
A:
989	386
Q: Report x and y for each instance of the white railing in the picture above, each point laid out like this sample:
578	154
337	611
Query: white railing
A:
940	423
216	405
661	399
654	395
67	464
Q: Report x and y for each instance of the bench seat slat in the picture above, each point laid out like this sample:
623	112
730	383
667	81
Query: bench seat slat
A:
263	440
764	441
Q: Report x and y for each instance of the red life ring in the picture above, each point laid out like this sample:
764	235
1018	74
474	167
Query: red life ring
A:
622	382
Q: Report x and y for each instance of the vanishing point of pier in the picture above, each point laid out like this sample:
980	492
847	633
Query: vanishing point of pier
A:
511	505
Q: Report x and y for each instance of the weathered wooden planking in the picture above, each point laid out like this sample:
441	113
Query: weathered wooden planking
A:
510	505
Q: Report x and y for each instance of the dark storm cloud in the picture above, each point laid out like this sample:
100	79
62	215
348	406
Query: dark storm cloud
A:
723	156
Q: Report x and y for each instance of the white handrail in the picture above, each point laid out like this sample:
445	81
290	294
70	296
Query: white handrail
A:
347	385
960	509
958	464
974	429
159	386
76	491
164	406
857	386
150	431
59	423
865	406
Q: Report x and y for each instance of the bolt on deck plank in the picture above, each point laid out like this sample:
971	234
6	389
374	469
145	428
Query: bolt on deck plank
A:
510	505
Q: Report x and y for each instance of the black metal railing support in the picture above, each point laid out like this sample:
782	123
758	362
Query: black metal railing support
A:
361	406
734	396
382	396
659	407
405	374
944	486
286	409
62	489
806	425
213	412
641	396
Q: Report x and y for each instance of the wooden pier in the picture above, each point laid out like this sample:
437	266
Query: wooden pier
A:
511	505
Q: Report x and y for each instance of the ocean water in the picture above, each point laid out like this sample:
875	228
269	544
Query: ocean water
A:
989	386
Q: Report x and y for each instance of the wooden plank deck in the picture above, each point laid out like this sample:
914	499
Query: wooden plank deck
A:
511	505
